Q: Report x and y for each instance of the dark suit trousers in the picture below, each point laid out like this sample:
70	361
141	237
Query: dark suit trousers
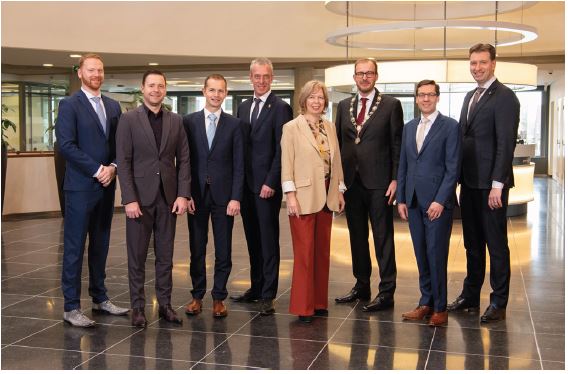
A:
86	212
361	205
262	230
158	218
198	237
483	226
431	241
311	240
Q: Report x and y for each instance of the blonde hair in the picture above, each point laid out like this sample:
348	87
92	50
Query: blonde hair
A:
307	90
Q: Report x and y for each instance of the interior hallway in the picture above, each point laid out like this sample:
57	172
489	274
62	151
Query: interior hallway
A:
532	337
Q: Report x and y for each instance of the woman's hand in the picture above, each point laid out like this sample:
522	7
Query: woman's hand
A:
292	204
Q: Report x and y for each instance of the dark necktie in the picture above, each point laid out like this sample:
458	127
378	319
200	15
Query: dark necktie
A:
475	100
361	116
255	111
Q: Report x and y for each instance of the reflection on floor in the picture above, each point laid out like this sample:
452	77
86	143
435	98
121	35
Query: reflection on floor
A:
532	337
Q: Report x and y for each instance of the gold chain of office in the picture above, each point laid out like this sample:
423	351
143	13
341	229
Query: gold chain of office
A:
367	116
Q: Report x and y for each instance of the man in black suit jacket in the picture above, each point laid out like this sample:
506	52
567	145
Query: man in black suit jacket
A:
262	117
489	121
217	177
85	130
369	129
153	167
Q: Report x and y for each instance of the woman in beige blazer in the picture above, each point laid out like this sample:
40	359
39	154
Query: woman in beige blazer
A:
312	179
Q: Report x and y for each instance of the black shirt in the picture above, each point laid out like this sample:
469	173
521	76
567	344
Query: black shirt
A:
156	124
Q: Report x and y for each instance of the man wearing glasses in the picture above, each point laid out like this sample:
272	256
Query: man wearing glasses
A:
369	128
427	176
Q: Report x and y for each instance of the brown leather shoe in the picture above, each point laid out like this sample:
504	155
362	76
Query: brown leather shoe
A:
168	314
417	314
138	317
219	309
194	308
439	319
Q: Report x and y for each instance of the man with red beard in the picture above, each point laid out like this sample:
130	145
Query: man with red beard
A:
85	129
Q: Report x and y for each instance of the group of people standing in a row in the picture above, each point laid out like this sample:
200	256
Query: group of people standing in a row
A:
214	166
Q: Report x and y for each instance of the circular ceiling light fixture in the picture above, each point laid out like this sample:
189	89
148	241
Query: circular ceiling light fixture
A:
423	10
340	37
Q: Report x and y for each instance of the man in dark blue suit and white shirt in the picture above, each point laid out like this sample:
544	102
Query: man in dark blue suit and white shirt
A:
262	117
428	172
217	175
489	120
85	129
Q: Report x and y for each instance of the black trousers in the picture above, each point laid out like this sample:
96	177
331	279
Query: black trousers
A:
158	218
262	230
485	227
361	205
198	238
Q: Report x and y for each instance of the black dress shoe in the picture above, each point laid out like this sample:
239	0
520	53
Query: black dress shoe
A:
493	314
353	295
379	303
138	317
305	319
321	312
246	297
267	307
461	303
167	313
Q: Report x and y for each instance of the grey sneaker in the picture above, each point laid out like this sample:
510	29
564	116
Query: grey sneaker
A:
108	307
77	318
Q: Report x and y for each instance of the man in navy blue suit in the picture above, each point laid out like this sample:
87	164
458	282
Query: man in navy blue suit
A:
262	116
85	129
217	175
428	172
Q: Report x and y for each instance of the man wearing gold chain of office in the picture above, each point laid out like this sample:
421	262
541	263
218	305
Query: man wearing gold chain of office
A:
369	128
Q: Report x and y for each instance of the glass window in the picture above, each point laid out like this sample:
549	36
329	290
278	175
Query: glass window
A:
530	123
11	99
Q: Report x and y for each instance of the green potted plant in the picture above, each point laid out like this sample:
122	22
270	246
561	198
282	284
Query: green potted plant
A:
6	126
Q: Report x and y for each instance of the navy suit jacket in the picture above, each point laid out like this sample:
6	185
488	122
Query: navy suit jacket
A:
82	140
432	173
223	165
489	137
262	143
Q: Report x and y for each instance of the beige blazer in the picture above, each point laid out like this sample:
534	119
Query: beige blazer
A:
302	164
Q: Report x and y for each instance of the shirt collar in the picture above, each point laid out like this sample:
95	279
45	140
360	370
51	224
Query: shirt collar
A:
263	97
217	113
89	95
488	83
148	111
432	117
371	96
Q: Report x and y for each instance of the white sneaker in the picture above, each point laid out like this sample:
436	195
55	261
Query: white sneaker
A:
110	308
77	318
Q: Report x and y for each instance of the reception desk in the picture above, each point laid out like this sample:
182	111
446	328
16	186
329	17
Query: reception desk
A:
523	171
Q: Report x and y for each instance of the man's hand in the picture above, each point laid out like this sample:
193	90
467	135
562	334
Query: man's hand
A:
266	192
292	204
191	206
133	210
341	203
402	211
435	211
495	198
233	208
391	192
180	206
106	175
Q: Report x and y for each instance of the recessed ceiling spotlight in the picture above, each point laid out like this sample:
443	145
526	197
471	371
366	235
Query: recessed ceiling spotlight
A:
75	56
153	63
48	65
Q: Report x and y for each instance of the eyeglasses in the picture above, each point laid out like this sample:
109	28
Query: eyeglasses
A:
368	74
430	95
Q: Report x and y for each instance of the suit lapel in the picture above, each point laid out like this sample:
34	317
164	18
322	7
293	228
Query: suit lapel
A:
91	111
200	130
307	132
413	128
166	127
108	111
436	126
146	127
220	126
245	115
486	96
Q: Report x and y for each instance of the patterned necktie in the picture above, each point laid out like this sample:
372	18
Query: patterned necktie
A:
255	111
361	116
100	112
476	96
211	128
420	134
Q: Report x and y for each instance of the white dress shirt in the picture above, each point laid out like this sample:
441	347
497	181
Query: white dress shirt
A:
260	105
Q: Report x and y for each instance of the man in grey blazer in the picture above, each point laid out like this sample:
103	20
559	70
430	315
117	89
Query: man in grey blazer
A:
153	169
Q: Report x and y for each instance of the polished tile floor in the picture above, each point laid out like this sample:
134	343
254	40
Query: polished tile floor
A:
532	337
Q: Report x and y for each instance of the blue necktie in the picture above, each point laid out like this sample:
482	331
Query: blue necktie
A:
255	111
211	128
100	112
